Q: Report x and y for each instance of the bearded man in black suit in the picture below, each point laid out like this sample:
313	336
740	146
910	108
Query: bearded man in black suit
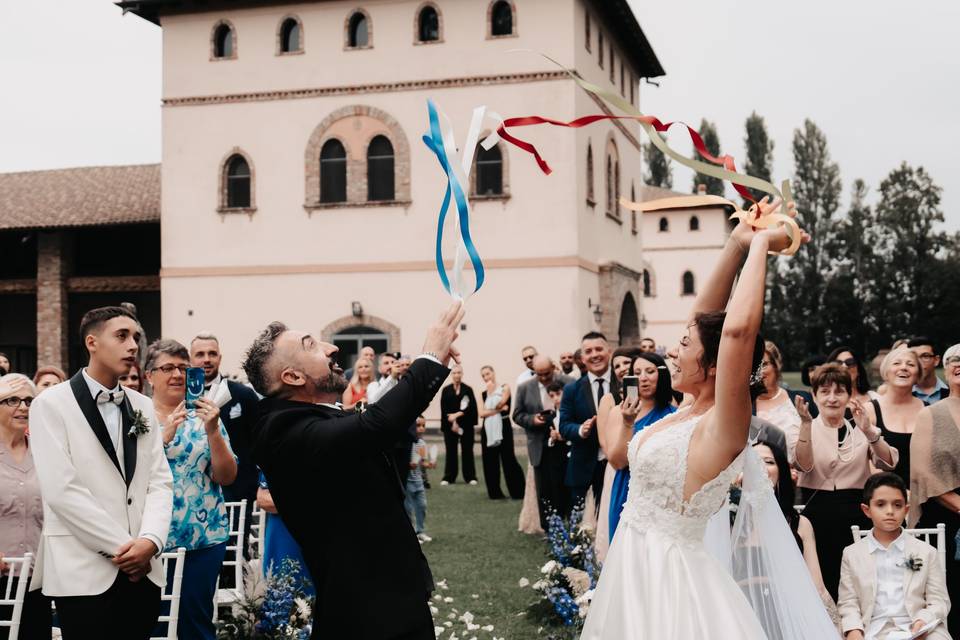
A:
334	482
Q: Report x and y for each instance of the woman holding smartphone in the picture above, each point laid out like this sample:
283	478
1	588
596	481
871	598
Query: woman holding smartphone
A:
647	397
201	460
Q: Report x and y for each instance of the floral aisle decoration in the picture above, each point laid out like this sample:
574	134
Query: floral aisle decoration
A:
567	580
274	607
450	624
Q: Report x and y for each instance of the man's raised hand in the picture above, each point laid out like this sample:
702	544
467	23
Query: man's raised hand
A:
441	336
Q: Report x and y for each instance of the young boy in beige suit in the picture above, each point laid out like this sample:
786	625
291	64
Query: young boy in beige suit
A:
891	583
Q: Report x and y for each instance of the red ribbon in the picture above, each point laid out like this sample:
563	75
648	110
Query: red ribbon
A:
725	161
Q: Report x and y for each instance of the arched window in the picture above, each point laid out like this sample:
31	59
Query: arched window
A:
609	183
428	25
333	172
350	340
688	286
664	225
489	171
290	40
501	19
647	290
633	214
694	223
616	189
358	31
237	183
380	169
590	193
223	44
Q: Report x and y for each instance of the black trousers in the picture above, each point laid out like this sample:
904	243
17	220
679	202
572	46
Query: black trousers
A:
503	456
548	476
579	494
126	611
451	443
36	619
832	513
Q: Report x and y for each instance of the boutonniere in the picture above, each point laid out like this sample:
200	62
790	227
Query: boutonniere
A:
140	425
914	563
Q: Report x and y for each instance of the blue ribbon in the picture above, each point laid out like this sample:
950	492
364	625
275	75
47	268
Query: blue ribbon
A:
434	142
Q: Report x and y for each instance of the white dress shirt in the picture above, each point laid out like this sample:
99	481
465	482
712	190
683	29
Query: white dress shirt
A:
890	605
594	390
110	413
526	375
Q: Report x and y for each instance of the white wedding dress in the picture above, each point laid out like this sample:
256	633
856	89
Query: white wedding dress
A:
659	581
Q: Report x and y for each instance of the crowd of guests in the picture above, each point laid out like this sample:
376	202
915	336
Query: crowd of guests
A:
838	453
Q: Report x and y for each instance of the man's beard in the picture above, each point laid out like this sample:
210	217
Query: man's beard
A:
330	383
567	367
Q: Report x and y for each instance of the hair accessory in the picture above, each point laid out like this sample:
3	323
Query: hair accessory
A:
757	376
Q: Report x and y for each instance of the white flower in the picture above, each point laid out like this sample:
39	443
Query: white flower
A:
577	549
524	583
585	598
540	585
303	609
448	599
578	579
549	567
489	627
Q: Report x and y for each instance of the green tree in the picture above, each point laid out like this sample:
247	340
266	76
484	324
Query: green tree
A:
795	318
759	146
712	142
658	173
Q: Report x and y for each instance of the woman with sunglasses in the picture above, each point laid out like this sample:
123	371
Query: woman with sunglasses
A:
935	473
20	504
859	378
201	460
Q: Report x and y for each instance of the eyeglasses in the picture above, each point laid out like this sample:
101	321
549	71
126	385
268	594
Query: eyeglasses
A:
952	361
926	357
168	369
525	358
849	362
14	402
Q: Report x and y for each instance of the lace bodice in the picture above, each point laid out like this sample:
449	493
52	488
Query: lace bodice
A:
658	470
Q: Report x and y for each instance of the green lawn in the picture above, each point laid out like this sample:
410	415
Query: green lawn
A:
478	551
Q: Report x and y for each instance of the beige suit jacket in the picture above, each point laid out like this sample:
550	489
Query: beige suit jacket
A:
925	590
88	510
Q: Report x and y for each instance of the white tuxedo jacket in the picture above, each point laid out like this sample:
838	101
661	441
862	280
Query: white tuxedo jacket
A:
925	590
90	508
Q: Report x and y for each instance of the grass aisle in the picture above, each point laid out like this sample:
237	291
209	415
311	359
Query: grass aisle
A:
478	551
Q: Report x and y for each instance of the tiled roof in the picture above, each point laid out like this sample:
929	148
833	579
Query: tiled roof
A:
649	192
80	197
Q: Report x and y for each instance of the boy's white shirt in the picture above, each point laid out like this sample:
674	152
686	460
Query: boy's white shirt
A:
924	591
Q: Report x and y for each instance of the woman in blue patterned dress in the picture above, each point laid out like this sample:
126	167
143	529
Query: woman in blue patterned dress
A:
201	460
278	544
655	402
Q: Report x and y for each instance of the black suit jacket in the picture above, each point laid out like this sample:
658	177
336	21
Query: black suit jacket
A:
450	403
332	477
238	428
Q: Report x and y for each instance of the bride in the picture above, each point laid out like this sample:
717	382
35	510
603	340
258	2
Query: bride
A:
659	581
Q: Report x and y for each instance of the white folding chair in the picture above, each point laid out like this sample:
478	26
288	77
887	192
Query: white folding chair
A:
258	530
171	591
924	534
237	514
18	575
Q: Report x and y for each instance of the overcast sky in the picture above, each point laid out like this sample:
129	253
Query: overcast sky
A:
81	83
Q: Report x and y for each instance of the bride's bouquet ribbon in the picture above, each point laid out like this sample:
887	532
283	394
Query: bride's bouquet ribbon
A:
456	164
726	170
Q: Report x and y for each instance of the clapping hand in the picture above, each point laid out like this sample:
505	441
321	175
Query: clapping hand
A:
860	417
803	410
442	335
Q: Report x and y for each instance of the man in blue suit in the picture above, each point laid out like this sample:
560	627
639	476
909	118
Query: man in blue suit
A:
578	418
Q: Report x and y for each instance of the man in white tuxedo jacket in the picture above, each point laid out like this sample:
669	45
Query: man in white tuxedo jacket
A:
107	490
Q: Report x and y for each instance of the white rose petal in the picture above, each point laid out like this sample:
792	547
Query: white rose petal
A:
472	627
451	616
524	583
434	610
489	627
448	599
438	630
438	597
448	624
475	596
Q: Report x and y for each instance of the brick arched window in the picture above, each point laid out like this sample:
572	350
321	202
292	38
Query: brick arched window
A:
502	19
380	167
428	24
689	287
224	41
358	30
236	182
333	172
290	36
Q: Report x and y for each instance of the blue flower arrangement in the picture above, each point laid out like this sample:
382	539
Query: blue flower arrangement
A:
272	608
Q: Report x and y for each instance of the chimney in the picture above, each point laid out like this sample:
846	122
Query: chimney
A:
701	189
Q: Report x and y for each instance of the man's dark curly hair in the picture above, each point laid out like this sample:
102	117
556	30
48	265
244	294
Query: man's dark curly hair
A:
257	357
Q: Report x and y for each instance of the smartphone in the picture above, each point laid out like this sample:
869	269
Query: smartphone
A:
195	380
631	387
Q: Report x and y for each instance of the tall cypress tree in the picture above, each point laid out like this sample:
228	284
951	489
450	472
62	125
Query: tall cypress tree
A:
712	141
658	173
759	146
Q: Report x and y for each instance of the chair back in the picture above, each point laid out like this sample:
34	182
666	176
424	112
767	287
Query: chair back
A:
936	537
171	591
233	559
258	530
15	591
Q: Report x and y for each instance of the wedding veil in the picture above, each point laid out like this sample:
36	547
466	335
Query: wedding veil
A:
763	557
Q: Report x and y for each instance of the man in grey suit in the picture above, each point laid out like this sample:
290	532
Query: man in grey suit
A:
534	411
